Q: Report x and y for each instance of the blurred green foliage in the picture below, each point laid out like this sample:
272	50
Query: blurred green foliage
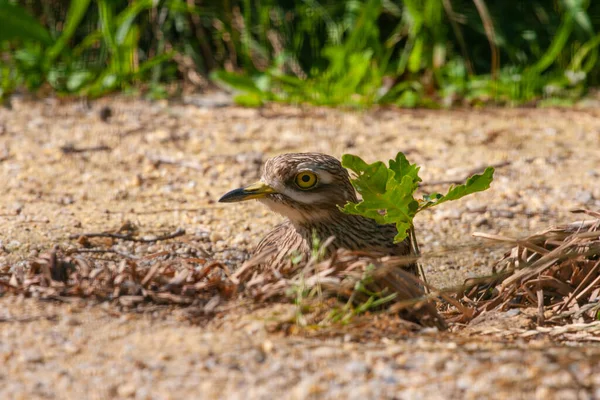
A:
410	53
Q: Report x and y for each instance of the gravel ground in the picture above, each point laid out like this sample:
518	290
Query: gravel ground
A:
162	166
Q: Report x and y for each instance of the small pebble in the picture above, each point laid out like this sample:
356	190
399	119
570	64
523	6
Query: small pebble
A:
481	221
215	236
357	367
584	197
31	356
126	390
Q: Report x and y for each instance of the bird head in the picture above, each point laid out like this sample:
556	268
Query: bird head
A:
305	187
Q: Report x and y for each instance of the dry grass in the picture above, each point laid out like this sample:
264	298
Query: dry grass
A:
364	281
161	278
556	271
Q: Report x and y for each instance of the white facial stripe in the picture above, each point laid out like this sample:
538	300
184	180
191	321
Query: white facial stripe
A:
325	177
305	197
306	166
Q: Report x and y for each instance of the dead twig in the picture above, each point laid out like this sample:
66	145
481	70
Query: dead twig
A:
71	149
128	237
471	172
158	160
51	317
104	251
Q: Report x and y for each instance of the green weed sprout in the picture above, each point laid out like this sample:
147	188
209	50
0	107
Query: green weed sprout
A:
388	192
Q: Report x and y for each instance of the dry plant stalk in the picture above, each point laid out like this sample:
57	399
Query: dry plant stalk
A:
350	275
557	271
159	279
168	279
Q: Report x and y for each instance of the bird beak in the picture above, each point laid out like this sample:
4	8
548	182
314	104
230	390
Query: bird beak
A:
254	191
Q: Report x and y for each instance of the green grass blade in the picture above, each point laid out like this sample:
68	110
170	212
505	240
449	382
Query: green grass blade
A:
126	18
153	62
590	46
558	43
107	27
576	8
77	9
236	81
18	24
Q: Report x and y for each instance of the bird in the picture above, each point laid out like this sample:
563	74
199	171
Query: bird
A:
308	189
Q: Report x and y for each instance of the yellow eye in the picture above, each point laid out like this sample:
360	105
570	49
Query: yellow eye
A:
306	180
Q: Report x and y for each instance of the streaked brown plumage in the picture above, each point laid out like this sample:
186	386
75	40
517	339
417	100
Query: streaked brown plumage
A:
313	209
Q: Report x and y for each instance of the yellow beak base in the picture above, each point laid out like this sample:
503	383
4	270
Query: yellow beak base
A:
254	191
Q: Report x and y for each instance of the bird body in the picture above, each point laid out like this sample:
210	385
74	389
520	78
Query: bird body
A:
351	232
308	189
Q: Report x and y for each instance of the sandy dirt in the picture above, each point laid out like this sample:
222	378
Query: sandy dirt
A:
161	166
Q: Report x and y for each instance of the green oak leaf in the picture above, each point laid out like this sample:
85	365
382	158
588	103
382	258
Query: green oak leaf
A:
402	167
388	192
476	183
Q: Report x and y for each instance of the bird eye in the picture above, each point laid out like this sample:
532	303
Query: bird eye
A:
306	180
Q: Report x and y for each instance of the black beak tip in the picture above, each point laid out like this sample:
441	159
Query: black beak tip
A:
232	196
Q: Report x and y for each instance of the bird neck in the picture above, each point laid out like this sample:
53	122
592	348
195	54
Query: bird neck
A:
329	222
